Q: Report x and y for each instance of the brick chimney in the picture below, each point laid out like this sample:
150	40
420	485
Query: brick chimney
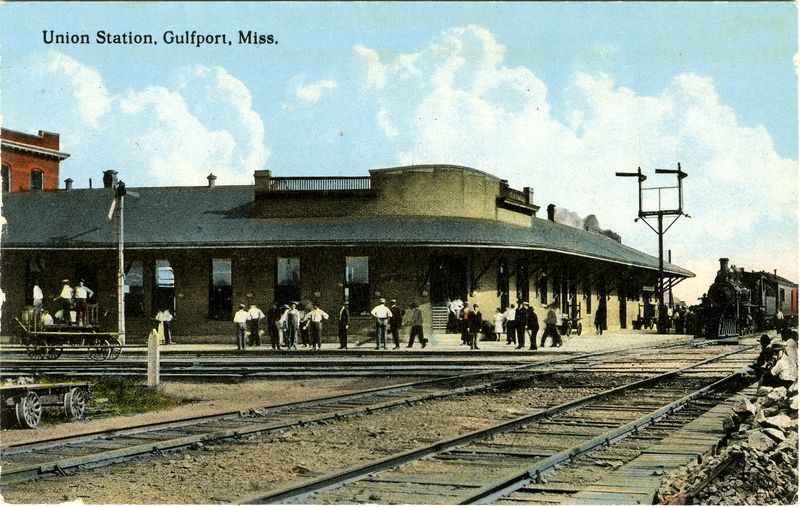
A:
211	180
68	184
551	212
109	178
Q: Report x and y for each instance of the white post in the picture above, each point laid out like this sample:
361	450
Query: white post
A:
121	275
153	358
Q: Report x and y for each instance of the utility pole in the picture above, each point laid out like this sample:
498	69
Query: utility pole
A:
660	231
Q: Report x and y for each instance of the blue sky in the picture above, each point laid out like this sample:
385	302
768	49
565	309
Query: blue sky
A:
557	96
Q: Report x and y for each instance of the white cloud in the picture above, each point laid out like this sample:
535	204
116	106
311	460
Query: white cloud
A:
159	135
313	93
468	107
376	72
385	124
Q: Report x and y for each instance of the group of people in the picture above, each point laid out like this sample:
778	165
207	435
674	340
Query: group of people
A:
519	323
286	325
390	319
73	303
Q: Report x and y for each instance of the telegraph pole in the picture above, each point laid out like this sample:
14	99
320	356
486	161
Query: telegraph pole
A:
660	231
117	204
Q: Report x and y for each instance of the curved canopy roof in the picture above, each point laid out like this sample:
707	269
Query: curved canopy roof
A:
190	217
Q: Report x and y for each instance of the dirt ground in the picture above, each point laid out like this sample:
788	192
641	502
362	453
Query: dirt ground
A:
231	472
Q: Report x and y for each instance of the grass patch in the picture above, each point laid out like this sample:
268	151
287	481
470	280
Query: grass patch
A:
113	397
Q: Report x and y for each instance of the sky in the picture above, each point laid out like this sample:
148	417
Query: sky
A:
555	96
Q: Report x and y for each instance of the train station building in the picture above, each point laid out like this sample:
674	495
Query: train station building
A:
425	234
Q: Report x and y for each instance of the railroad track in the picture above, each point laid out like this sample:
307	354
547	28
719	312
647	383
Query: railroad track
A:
182	365
59	456
494	463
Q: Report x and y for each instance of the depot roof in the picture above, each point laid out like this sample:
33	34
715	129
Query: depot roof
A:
222	216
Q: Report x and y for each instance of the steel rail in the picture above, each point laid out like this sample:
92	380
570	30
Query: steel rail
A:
12	473
295	494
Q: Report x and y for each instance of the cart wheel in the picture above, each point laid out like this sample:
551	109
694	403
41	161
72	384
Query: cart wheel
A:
29	410
116	349
100	352
54	352
75	404
580	328
37	350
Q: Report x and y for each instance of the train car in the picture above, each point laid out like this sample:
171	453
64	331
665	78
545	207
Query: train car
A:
740	302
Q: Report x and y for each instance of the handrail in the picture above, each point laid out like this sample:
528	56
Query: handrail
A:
319	184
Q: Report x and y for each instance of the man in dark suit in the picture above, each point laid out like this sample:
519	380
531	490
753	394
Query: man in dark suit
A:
344	325
396	322
521	323
533	324
475	322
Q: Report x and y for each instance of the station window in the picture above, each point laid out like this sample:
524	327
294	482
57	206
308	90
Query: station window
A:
587	292
782	296
6	177
543	290
37	180
220	290
356	284
134	289
287	280
523	284
502	283
164	288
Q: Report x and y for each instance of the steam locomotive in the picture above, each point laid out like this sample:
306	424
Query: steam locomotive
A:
740	302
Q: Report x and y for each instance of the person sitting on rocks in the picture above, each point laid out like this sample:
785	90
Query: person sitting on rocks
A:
784	372
764	362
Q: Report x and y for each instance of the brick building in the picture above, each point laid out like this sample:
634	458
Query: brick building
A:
423	234
30	162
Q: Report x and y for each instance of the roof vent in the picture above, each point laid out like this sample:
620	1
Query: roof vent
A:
211	180
109	178
68	183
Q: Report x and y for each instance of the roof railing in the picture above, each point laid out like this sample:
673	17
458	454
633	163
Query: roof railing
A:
319	184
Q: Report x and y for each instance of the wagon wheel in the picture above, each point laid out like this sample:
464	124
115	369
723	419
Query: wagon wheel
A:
54	352
116	349
28	410
37	349
580	328
100	351
75	404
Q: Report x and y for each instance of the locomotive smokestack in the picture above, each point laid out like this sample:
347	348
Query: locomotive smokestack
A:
723	264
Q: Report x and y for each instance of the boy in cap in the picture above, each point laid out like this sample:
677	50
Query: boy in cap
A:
396	323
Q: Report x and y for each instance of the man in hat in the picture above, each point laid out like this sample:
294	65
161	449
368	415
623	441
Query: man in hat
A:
382	315
475	322
533	324
416	327
255	314
290	321
65	298
396	323
784	372
511	325
240	319
551	326
344	324
521	323
315	318
82	293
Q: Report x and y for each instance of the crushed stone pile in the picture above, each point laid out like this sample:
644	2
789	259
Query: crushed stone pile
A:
758	466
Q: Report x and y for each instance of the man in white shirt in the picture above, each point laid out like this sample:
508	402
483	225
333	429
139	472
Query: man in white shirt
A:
255	315
82	293
382	315
511	326
65	298
240	319
316	316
